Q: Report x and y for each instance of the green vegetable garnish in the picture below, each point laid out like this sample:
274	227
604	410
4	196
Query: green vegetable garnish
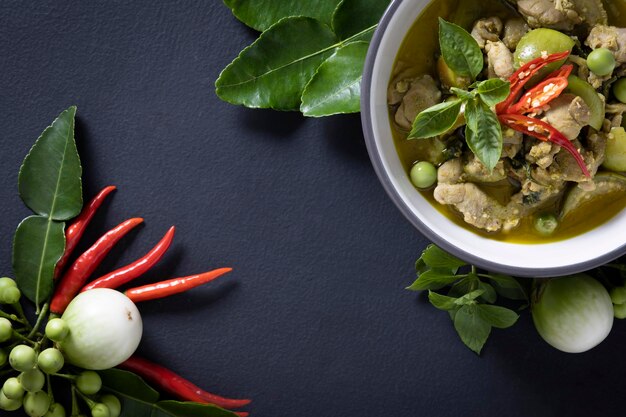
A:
471	295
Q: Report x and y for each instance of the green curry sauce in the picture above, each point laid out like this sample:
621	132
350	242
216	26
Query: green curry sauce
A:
416	57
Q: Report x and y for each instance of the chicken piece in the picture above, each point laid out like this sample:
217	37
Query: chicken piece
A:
611	38
591	11
450	172
499	59
417	94
565	167
514	30
553	14
542	154
475	171
478	209
568	114
488	29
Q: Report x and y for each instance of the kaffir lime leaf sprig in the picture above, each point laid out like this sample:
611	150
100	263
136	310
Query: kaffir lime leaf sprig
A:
317	67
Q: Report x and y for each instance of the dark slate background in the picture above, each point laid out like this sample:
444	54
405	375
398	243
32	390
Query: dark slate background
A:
314	321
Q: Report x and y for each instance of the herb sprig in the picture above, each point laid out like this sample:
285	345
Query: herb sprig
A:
309	57
483	133
471	295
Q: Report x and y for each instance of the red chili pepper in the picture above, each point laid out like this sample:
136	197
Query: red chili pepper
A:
129	272
75	278
543	131
75	231
520	77
543	93
173	286
177	385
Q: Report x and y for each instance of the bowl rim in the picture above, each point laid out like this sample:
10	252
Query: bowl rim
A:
394	194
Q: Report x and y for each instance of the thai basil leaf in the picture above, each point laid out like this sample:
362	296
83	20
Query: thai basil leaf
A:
140	400
435	120
442	302
336	86
435	257
471	327
489	295
274	70
356	16
460	50
469	298
434	279
496	316
508	287
462	94
38	245
483	133
50	177
261	14
493	91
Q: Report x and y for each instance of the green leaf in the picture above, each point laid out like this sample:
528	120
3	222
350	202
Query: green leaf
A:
140	400
50	177
489	295
471	327
462	94
483	133
499	317
460	50
508	287
274	70
435	120
442	302
434	279
38	245
336	86
494	91
354	16
459	289
469	298
435	257
261	14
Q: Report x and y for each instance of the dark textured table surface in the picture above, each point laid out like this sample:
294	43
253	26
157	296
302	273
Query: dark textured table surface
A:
314	320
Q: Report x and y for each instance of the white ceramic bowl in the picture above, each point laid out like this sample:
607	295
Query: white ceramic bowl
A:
577	254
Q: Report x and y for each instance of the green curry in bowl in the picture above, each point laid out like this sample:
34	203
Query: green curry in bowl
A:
537	189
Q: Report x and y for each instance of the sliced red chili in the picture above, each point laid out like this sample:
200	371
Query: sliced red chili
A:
520	77
177	385
75	231
75	277
543	131
134	270
173	286
539	96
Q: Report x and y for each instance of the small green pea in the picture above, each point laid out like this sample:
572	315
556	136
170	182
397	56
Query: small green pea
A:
50	361
111	401
619	90
57	330
546	224
10	295
13	389
6	282
9	404
23	358
32	380
36	404
423	174
55	410
88	382
6	329
618	295
100	410
601	61
619	311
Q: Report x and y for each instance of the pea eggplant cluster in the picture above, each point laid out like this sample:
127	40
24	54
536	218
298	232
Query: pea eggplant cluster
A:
32	360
